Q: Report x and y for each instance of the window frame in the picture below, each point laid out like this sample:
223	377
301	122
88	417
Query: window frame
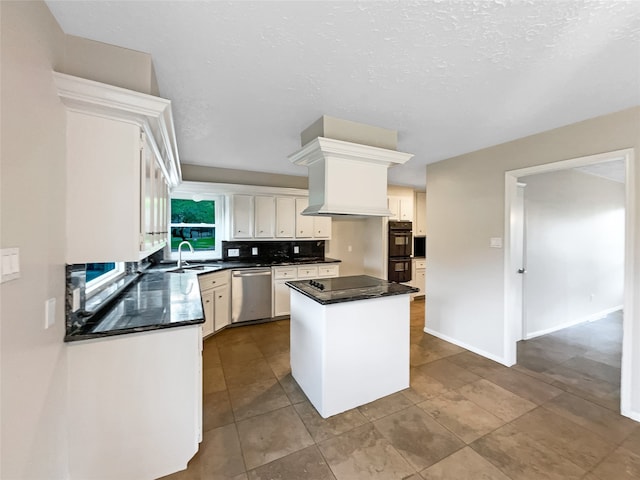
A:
218	225
99	283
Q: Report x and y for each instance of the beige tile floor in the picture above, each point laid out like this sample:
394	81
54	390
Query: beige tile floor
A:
464	417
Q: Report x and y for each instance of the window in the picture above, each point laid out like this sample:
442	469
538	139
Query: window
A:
195	221
99	275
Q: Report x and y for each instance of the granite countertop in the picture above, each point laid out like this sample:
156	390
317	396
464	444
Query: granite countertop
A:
349	289
157	299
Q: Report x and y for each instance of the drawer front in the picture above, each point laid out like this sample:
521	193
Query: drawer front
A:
212	280
328	271
308	272
420	264
285	273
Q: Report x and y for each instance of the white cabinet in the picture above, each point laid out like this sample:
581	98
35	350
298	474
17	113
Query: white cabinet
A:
131	390
216	300
285	217
117	177
401	208
265	216
281	275
242	216
420	227
418	277
311	226
304	223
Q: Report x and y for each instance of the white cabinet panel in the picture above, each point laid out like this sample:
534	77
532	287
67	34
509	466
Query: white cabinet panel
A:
242	216
322	227
420	227
285	217
104	218
304	223
401	208
216	301
265	216
282	294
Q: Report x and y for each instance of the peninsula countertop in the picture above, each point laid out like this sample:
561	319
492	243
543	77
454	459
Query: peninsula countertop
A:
158	298
348	289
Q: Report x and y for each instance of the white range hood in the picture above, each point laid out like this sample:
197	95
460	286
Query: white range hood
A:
347	178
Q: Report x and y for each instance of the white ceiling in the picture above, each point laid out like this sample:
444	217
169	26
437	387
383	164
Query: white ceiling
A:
246	77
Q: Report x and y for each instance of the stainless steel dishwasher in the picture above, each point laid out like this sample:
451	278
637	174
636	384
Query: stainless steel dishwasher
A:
250	294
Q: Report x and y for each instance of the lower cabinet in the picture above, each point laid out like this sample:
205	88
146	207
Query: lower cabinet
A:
281	275
216	300
418	276
135	404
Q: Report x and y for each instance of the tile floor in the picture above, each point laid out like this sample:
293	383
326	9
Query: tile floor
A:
464	417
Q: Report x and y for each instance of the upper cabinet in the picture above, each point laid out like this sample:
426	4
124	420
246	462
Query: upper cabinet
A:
121	161
242	216
265	216
401	208
285	217
304	223
421	214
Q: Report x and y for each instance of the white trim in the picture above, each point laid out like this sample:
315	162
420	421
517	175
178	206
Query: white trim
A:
207	190
589	318
628	383
466	346
150	112
321	147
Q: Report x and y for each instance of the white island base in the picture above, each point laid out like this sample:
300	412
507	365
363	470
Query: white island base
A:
347	354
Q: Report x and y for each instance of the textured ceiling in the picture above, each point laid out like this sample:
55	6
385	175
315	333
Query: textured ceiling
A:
247	77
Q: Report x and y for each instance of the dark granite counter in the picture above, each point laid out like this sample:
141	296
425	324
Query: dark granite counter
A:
348	289
157	299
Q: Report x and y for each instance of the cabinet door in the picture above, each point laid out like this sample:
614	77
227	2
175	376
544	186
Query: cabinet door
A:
394	206
265	216
208	302
420	281
285	217
421	214
147	196
322	227
222	303
281	298
104	165
406	209
304	223
242	216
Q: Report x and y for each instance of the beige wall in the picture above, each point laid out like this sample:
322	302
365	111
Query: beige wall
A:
347	234
109	64
33	360
465	207
198	173
574	249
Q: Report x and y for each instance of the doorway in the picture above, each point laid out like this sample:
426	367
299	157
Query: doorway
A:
513	261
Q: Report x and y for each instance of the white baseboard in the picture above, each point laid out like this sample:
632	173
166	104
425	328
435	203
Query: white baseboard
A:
631	414
466	346
589	318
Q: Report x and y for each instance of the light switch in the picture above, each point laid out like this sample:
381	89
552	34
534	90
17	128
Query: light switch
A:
75	300
49	312
296	249
10	264
254	250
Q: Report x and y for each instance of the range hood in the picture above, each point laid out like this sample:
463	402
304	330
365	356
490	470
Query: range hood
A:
347	178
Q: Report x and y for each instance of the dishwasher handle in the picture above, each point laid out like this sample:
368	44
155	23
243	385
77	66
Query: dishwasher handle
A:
250	273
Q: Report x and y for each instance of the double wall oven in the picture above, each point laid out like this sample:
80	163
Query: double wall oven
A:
400	243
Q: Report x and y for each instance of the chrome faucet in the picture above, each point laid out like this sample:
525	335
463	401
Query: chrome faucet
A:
180	252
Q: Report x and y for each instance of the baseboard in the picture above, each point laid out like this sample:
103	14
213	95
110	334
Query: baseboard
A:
631	414
466	346
589	318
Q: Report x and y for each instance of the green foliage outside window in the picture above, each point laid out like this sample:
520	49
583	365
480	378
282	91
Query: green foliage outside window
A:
193	222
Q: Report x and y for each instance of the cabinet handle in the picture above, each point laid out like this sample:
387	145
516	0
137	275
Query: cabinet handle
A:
207	301
220	296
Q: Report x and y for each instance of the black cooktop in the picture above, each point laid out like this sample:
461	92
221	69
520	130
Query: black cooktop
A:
345	283
346	289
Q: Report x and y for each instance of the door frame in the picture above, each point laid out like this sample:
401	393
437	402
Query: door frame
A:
510	267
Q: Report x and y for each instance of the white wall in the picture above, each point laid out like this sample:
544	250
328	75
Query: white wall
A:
574	249
33	360
465	208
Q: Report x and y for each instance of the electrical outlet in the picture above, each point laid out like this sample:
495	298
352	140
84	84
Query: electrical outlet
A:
75	303
296	249
233	252
254	250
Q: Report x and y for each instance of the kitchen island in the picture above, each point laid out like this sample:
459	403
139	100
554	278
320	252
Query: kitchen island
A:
349	340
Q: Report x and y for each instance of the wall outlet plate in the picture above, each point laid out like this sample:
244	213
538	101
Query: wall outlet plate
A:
254	250
233	252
